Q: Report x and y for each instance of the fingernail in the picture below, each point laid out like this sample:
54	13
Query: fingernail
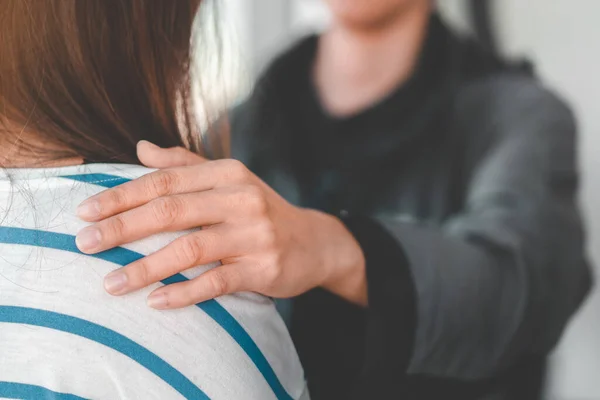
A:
88	239
115	282
89	209
158	301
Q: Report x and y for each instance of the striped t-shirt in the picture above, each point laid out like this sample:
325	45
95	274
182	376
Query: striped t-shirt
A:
63	337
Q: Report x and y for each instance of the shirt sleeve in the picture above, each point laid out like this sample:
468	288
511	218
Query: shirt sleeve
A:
498	281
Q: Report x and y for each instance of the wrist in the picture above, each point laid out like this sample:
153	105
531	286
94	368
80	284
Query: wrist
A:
341	259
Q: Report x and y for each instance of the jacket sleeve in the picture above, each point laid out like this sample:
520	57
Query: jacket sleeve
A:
499	280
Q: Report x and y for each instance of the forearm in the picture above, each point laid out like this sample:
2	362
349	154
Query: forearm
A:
488	296
471	303
479	307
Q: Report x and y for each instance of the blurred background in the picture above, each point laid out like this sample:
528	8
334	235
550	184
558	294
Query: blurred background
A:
559	37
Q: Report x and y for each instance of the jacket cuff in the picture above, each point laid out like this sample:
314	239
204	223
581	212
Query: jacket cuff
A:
392	313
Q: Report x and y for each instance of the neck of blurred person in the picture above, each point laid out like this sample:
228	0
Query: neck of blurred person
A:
363	58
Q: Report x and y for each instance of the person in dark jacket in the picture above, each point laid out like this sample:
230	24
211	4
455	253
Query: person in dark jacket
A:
429	235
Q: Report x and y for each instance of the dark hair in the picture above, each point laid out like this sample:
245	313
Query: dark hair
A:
96	76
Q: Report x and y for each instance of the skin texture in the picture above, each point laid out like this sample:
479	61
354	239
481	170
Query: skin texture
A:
265	244
370	49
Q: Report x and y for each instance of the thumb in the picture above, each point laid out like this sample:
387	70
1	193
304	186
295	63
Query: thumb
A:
153	156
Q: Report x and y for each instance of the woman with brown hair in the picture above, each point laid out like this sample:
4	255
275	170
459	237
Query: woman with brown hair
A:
81	83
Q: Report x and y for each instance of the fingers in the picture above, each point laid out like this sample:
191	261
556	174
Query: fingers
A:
161	183
140	191
184	253
153	156
226	279
197	248
164	214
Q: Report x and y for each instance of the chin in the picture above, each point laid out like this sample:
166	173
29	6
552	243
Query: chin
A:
369	13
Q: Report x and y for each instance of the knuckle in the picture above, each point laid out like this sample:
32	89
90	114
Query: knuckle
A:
117	196
117	227
181	151
254	200
167	210
267	235
236	198
271	269
190	249
144	273
162	183
236	169
218	284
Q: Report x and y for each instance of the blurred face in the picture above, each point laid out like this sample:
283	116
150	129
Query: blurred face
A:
369	13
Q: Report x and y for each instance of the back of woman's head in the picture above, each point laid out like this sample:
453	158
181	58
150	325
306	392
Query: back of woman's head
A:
91	78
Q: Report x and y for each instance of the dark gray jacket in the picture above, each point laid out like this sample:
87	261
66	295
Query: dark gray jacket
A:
484	225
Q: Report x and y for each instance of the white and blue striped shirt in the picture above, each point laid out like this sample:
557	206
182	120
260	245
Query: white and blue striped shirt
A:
63	337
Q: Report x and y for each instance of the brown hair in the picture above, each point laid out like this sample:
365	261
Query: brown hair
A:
96	76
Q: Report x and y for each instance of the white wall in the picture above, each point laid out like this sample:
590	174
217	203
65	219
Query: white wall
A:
262	28
563	39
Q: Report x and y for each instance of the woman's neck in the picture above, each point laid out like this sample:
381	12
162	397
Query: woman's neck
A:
355	68
20	149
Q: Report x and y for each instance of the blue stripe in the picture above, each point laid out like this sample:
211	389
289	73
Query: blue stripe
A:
122	256
13	390
61	241
107	337
218	313
211	307
104	180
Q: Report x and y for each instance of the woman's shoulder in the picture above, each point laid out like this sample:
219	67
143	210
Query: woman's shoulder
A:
491	86
503	115
54	310
510	103
517	87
